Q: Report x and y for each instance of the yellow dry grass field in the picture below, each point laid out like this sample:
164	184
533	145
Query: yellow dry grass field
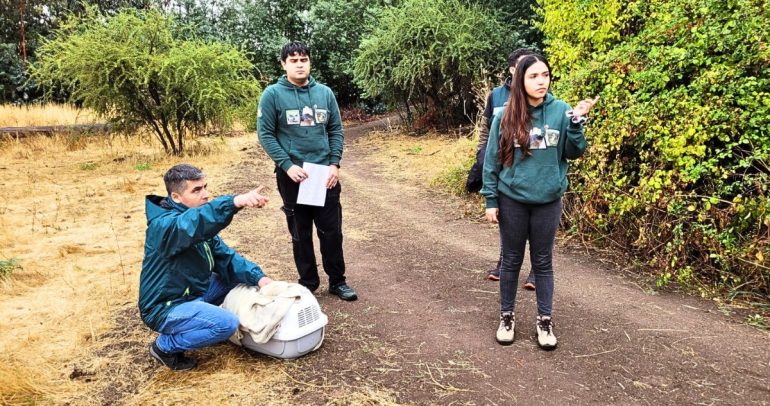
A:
43	115
72	216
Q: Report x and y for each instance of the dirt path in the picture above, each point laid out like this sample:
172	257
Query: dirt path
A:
422	331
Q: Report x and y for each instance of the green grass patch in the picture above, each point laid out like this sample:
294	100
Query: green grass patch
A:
758	321
8	266
88	166
413	150
453	178
143	166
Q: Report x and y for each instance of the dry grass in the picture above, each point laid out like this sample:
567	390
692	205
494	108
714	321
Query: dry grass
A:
72	214
418	159
437	162
44	114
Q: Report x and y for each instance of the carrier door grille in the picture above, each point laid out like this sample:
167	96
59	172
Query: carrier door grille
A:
308	315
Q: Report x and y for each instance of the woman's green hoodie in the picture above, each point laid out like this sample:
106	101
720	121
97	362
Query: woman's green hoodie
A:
298	124
542	177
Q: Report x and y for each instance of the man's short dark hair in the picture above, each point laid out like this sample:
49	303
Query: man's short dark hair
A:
294	47
515	55
176	177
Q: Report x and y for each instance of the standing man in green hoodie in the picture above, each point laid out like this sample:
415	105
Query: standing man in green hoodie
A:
298	121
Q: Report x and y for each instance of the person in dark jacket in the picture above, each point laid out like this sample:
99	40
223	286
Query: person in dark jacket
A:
299	122
188	270
525	177
496	100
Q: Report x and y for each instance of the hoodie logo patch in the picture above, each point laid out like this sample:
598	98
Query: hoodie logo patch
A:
321	116
307	117
551	137
292	117
536	139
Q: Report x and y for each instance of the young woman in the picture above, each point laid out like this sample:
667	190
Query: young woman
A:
524	178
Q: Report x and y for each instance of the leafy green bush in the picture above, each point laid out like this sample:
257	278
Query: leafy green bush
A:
428	55
131	69
679	161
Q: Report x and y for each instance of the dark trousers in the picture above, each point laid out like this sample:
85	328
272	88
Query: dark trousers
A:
328	222
537	223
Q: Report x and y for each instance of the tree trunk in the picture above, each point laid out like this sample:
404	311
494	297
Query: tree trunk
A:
22	31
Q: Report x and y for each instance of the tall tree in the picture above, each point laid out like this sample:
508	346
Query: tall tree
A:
23	23
336	28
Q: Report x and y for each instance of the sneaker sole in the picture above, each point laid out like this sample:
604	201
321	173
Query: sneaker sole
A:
504	342
493	278
547	347
529	286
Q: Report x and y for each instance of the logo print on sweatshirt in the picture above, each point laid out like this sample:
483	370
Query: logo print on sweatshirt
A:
292	117
536	139
321	116
307	117
551	137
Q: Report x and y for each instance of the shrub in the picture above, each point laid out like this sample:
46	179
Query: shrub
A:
428	55
131	69
678	167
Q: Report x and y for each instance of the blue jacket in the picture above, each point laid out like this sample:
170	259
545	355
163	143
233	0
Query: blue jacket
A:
496	100
181	250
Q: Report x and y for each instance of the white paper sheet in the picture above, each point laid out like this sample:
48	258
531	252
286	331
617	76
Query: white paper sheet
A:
312	191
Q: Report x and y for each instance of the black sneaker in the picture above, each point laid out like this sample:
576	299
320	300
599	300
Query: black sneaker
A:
344	291
176	361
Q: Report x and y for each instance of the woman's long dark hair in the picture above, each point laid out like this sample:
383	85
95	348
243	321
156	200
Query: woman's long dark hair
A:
514	126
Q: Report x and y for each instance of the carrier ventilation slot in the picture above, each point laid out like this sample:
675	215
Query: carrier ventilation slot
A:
308	315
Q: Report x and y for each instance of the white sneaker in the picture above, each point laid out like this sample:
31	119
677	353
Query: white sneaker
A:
545	336
504	335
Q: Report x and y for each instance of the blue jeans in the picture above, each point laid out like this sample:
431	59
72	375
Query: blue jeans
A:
537	223
199	322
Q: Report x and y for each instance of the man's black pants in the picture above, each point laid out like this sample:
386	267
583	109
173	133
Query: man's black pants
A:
328	223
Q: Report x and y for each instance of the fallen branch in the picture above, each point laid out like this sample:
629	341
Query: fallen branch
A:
593	355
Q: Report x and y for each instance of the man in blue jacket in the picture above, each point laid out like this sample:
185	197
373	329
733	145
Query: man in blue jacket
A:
299	121
188	270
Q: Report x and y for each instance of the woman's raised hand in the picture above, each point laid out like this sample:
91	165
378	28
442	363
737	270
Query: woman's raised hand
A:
584	107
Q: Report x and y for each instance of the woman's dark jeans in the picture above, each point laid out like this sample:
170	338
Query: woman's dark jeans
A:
537	223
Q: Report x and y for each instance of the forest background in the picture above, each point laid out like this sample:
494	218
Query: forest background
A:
676	176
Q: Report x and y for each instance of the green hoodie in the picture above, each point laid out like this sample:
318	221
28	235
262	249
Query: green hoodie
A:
542	177
298	124
181	250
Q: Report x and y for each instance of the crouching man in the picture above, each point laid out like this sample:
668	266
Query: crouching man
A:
188	270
